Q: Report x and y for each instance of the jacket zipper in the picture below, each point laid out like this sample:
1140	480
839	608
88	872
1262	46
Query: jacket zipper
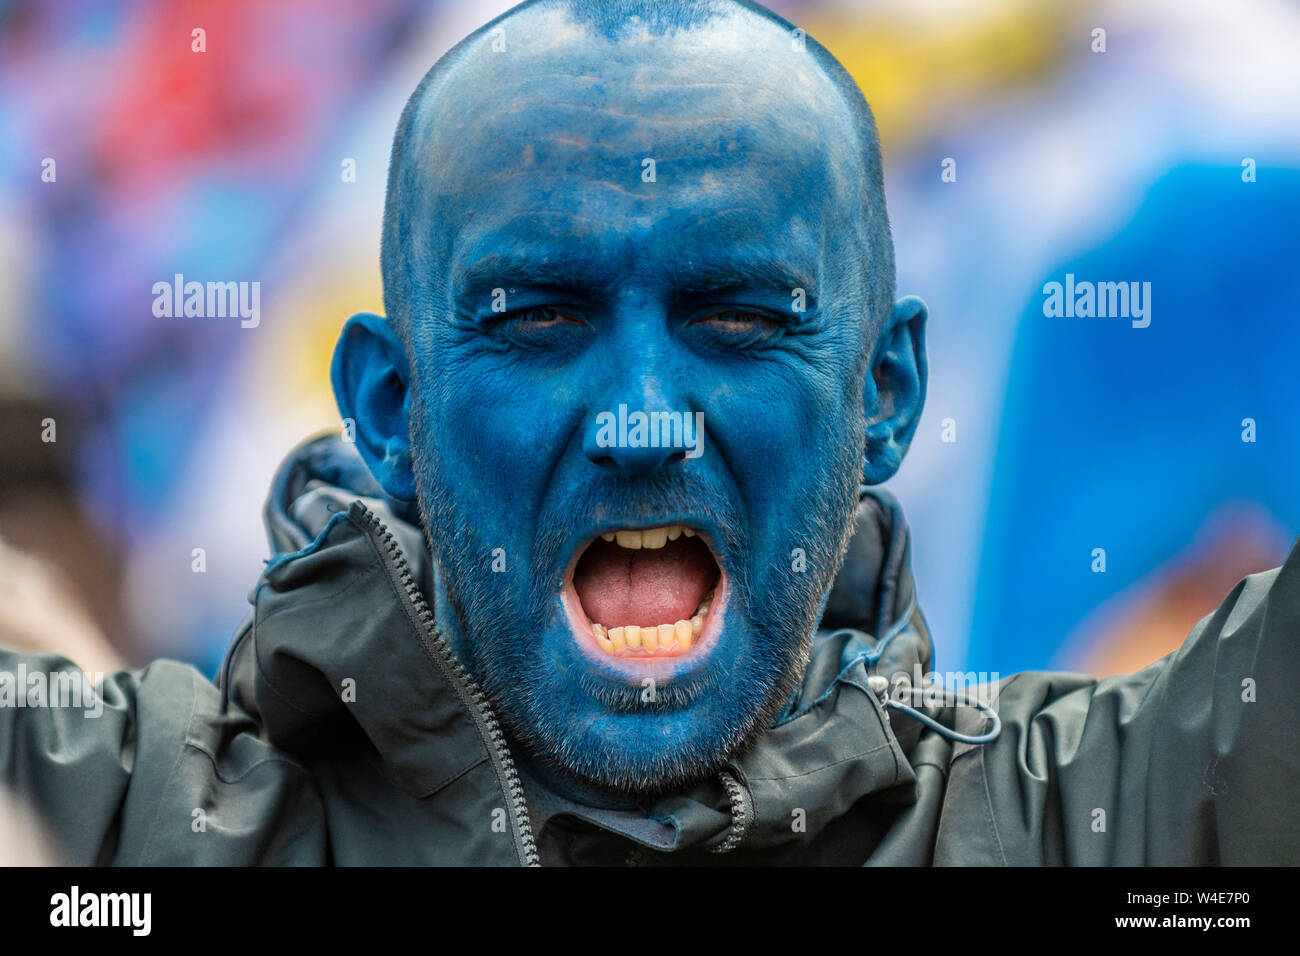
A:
466	686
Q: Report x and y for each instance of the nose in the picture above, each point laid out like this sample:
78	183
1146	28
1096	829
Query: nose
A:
640	420
637	440
642	423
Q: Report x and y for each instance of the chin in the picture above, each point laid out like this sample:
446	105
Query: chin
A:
644	725
648	671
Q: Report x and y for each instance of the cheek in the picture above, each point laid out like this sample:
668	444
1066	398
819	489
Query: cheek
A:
498	432
778	433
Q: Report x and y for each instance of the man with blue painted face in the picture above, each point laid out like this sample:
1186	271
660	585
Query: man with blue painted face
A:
596	573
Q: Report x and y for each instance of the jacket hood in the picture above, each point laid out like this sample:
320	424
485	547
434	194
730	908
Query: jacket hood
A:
331	612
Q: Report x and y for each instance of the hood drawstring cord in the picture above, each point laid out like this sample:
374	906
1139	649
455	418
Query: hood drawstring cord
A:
903	688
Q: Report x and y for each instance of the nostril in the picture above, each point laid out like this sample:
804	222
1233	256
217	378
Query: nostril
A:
635	460
596	452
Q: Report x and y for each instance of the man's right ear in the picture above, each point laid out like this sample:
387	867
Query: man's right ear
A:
371	382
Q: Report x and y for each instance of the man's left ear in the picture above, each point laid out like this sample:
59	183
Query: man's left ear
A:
894	393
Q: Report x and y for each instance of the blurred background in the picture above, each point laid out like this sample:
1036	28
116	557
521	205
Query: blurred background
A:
1166	151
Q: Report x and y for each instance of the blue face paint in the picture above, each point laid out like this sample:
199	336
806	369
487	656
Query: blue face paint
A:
614	223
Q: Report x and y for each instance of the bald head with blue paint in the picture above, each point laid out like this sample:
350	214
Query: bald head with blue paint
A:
596	212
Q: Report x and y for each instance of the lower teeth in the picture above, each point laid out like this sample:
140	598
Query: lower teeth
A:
662	639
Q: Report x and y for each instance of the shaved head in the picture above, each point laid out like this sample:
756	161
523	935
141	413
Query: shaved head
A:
628	53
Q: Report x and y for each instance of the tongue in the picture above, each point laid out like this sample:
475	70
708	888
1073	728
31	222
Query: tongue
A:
618	586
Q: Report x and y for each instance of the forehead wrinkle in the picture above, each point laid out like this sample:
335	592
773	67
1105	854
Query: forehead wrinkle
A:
567	215
791	138
721	142
790	233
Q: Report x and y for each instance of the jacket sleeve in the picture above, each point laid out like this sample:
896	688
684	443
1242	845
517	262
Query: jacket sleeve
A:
149	768
1193	760
67	749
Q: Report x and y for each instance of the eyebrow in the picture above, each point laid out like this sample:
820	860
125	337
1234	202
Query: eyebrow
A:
568	268
731	272
562	270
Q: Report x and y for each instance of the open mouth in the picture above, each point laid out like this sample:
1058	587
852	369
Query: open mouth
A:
647	593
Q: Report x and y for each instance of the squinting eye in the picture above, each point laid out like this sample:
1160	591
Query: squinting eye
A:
737	320
542	317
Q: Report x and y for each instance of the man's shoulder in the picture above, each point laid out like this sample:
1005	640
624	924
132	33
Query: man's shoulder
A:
148	766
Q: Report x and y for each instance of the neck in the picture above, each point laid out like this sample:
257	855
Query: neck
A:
564	786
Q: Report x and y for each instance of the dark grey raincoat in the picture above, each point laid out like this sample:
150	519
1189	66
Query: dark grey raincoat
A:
341	730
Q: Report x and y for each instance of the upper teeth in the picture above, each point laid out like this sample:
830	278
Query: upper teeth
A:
648	537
